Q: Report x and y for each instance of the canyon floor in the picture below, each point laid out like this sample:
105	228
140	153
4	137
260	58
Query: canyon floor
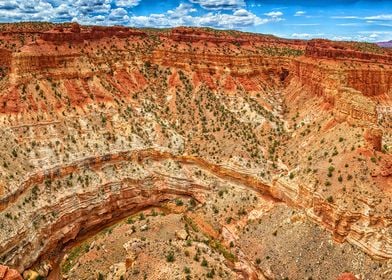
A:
192	153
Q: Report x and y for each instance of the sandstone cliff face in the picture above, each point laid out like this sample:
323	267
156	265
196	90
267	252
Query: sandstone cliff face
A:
24	63
95	33
318	79
5	58
9	274
120	119
338	51
373	83
368	73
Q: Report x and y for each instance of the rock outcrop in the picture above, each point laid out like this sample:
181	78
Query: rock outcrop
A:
374	138
9	274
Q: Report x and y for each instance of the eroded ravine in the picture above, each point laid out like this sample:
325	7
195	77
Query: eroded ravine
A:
133	195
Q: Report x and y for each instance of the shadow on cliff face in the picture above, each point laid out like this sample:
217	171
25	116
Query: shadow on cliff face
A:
284	74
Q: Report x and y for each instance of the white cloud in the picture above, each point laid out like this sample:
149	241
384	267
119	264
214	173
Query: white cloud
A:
380	17
345	17
127	3
366	36
220	4
371	35
84	11
307	35
182	16
111	12
376	17
303	24
8	5
224	14
342	38
349	24
92	6
274	14
181	10
19	10
301	35
299	13
118	15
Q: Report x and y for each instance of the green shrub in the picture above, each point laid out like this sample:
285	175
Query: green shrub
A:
179	202
340	178
170	257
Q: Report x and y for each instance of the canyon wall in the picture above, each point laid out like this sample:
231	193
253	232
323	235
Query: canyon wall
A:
340	51
374	83
99	123
95	33
78	212
5	58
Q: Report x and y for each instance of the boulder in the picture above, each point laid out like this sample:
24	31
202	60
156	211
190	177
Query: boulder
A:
373	137
181	234
30	275
346	276
7	273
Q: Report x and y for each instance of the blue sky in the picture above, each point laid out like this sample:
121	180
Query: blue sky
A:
364	20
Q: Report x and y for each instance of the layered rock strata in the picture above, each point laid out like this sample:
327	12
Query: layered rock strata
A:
117	119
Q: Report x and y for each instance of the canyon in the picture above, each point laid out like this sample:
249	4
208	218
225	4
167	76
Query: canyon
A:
264	156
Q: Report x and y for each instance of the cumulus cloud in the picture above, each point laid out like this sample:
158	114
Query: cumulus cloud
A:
118	15
182	15
19	10
83	11
181	10
220	13
92	6
127	3
8	5
220	4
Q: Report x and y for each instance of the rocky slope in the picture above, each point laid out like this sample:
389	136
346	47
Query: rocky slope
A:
100	123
